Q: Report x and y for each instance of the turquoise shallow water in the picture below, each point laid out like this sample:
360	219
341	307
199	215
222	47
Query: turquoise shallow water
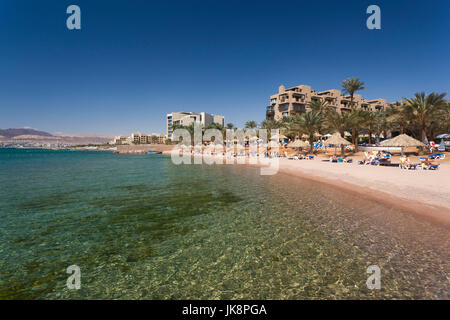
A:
140	227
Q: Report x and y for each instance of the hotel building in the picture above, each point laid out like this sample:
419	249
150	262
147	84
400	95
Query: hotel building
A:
140	138
121	140
187	118
288	102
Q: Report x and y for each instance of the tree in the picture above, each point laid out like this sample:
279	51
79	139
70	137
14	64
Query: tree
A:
396	118
319	107
423	109
370	122
309	123
356	121
269	125
189	128
230	126
350	86
251	124
339	122
383	124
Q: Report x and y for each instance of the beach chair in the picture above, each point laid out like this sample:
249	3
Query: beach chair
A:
437	156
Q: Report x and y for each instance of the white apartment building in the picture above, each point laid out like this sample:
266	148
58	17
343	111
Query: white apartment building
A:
187	118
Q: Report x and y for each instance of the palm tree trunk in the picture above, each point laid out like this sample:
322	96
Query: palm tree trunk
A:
424	133
311	137
355	136
370	137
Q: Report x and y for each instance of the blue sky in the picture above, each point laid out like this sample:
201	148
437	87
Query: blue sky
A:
135	61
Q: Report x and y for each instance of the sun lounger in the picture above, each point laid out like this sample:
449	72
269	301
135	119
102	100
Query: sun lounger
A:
435	156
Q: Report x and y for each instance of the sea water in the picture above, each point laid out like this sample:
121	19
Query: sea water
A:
140	227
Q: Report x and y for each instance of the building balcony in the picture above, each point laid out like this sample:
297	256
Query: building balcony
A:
270	113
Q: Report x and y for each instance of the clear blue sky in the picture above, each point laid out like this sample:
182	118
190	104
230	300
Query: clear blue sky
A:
135	61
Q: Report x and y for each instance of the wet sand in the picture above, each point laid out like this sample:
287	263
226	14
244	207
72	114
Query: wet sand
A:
421	192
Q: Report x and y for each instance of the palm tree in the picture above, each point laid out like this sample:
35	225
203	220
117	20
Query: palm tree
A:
230	125
269	125
214	126
443	121
319	107
423	109
339	122
309	123
251	124
383	124
370	122
189	128
350	86
356	119
397	120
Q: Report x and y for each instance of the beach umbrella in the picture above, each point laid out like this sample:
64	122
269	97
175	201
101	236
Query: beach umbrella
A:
402	141
336	140
327	135
426	141
441	145
443	136
318	135
298	144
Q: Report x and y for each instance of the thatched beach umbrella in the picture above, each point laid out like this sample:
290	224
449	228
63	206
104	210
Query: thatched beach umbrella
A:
317	135
336	140
402	141
298	144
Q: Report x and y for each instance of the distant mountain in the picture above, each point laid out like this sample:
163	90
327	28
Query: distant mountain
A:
32	135
10	133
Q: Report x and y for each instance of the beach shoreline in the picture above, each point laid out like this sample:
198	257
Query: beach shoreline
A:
428	208
421	193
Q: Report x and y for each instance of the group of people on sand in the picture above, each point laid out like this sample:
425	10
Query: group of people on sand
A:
266	154
376	157
334	158
425	164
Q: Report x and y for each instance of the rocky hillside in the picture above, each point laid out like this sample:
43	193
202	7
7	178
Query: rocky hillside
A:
32	135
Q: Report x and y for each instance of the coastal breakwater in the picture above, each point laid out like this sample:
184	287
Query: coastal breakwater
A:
141	148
